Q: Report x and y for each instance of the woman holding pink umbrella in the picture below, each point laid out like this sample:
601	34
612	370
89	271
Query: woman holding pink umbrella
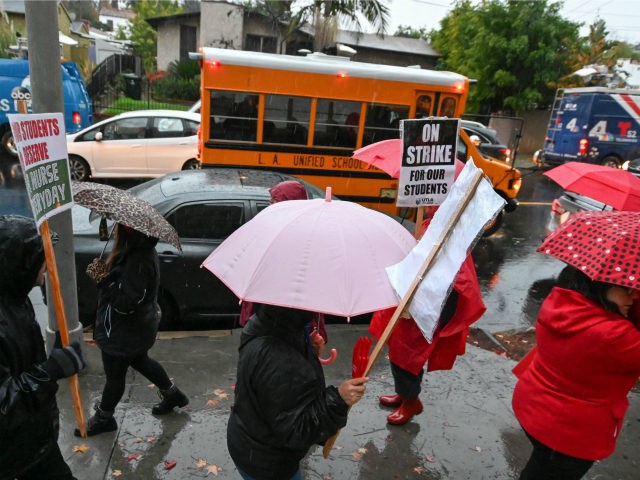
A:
571	395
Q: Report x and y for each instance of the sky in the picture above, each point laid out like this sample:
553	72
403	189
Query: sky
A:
622	17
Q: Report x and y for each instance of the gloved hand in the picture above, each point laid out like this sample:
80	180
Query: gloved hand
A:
97	270
64	362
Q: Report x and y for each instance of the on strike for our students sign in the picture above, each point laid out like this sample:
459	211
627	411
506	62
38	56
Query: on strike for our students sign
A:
42	148
428	161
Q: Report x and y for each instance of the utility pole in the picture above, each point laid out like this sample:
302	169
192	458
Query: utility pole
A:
46	94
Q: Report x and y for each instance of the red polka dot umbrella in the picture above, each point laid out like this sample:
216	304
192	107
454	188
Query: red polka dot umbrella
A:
603	245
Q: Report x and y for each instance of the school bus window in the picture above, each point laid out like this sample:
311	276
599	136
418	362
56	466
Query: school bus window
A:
383	122
234	116
448	107
423	106
286	119
336	123
461	152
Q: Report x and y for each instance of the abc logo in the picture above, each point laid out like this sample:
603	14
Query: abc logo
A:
20	93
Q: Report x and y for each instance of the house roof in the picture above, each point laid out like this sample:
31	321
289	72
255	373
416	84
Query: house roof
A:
156	21
417	46
126	13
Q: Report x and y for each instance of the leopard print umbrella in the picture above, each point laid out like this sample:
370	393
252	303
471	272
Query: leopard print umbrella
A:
122	207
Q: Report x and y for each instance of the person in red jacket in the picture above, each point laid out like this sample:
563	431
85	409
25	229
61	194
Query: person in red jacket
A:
571	395
409	351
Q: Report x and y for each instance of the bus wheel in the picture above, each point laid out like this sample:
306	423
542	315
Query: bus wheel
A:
493	227
611	161
191	165
8	144
79	169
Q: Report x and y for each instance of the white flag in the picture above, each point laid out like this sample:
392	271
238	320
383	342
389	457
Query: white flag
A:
432	292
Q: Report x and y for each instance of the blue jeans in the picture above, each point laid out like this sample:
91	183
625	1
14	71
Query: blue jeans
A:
246	476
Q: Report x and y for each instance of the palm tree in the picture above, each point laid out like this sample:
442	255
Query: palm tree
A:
287	17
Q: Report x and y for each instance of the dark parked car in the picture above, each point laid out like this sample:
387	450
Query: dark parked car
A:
490	144
205	207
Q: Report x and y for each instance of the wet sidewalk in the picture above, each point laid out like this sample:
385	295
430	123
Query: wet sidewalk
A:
467	430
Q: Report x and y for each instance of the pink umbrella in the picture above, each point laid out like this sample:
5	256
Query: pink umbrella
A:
318	255
385	155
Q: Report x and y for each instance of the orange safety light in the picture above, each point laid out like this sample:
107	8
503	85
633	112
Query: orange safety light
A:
342	74
458	86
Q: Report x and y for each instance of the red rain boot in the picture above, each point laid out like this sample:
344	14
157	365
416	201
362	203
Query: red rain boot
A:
394	400
406	412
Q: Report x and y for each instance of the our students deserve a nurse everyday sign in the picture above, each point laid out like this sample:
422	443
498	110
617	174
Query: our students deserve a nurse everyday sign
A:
42	148
428	161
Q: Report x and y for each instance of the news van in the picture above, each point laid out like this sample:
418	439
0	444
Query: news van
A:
593	124
15	85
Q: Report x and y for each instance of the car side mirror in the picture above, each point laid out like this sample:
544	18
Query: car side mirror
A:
103	231
98	137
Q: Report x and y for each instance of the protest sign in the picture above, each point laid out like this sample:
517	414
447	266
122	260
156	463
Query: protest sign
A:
428	161
42	148
482	205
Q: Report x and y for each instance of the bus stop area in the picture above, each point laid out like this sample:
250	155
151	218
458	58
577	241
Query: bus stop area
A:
467	429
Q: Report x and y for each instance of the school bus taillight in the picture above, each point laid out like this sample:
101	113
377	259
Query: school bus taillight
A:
459	86
584	146
213	62
342	74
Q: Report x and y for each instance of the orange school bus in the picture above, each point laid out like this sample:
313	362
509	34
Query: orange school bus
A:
305	115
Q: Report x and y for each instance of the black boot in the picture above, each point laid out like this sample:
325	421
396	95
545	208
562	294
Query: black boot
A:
172	397
101	422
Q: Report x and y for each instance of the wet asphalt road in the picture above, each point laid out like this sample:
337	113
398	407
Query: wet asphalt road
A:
513	277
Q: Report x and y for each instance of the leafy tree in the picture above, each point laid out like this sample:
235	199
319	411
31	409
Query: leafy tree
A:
142	34
515	49
7	38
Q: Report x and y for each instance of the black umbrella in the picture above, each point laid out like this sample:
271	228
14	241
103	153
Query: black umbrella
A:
122	207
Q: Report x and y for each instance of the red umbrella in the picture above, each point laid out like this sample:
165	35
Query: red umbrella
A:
603	245
385	155
611	186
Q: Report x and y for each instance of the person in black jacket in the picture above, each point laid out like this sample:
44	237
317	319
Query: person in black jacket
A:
29	416
282	406
126	324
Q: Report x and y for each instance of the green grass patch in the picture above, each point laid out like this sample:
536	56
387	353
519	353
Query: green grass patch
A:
125	104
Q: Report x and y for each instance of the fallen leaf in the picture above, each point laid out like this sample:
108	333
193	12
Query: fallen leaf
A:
213	470
151	439
212	403
356	456
418	469
477	448
201	463
151	385
81	448
220	393
429	458
116	473
91	342
169	465
137	440
362	450
133	456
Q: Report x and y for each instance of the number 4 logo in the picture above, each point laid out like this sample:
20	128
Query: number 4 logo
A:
599	129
